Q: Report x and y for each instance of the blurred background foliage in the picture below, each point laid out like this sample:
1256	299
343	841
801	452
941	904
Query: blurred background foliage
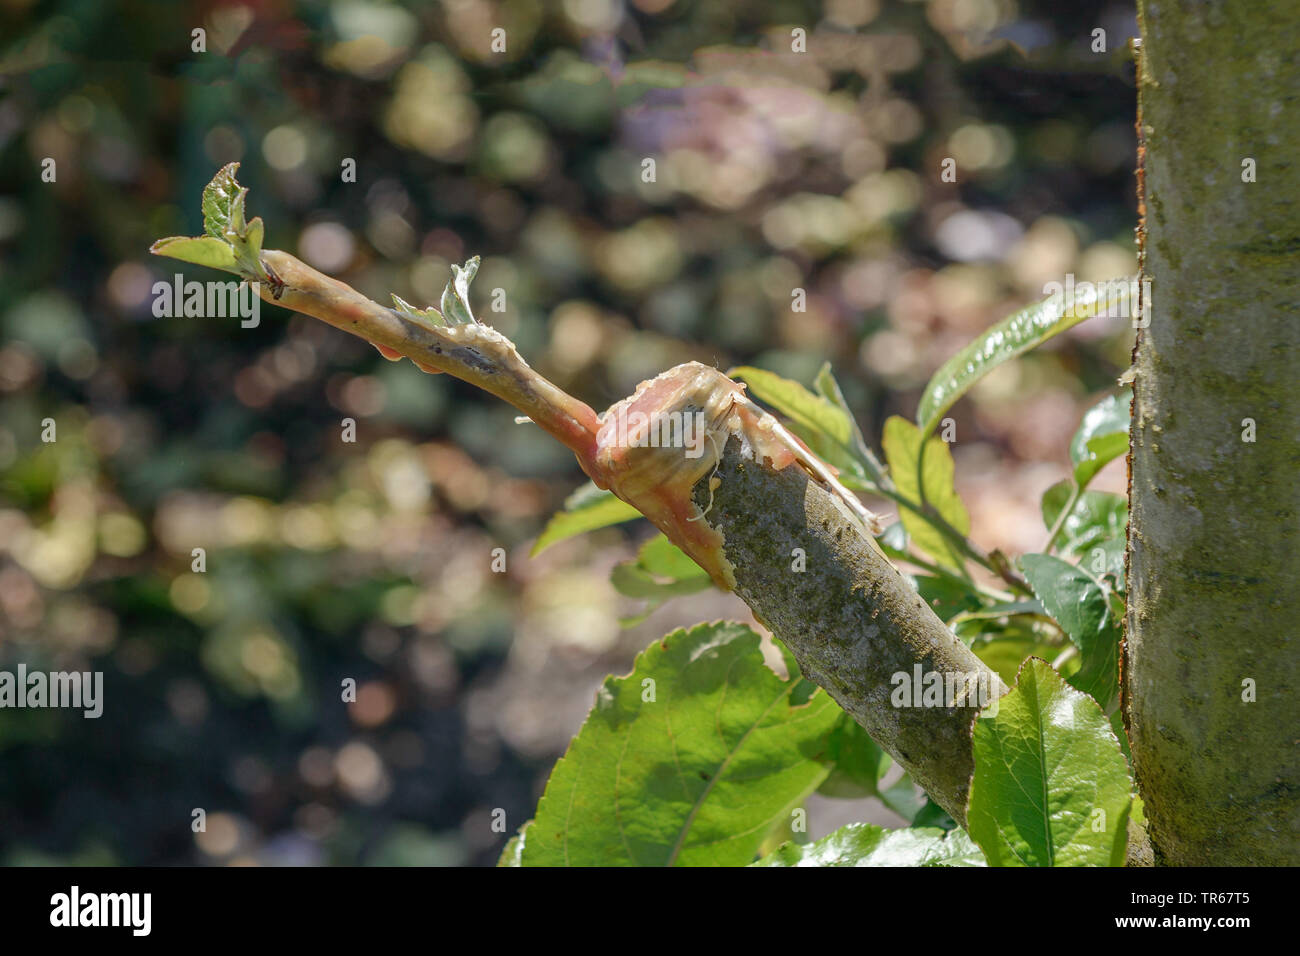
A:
326	560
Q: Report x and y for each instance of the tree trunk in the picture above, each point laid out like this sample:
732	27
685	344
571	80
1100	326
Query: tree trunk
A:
1211	653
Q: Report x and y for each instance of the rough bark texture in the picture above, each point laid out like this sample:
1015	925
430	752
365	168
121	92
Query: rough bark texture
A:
1213	555
851	619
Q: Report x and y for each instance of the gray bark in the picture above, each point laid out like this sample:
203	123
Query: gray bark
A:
1213	556
851	619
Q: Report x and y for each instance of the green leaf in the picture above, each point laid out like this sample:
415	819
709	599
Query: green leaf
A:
1013	336
585	510
1104	558
1007	650
902	441
1101	438
1082	607
1003	643
865	844
1102	450
1051	786
946	597
661	557
455	297
690	760
1001	609
253	240
905	798
430	316
825	427
223	202
796	403
1096	516
203	251
933	815
661	571
231	242
829	389
857	762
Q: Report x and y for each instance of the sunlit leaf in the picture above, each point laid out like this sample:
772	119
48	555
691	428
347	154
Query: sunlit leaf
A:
203	251
219	201
1005	649
429	316
864	844
1101	438
585	510
829	389
253	238
455	297
902	441
230	242
1095	517
690	760
1013	336
1051	786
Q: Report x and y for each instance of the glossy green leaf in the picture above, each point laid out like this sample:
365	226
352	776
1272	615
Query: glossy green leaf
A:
1101	438
1095	517
902	441
690	760
796	403
203	251
1084	610
585	510
1051	786
864	844
1102	450
1104	559
1013	336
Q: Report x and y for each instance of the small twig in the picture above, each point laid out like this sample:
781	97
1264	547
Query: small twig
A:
477	354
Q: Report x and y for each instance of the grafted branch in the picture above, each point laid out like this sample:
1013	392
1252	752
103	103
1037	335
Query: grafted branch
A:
851	620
